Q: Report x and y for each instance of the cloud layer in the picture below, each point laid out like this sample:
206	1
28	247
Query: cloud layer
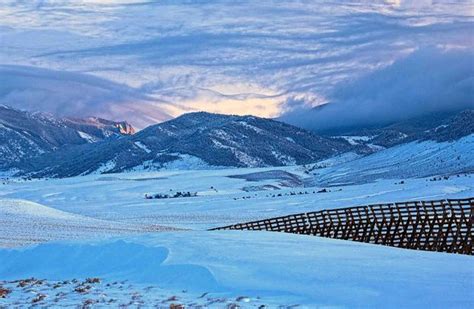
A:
169	57
426	81
74	94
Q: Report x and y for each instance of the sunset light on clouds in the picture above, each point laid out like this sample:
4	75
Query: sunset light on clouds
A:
172	57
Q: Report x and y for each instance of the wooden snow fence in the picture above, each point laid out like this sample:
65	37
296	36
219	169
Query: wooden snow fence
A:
441	225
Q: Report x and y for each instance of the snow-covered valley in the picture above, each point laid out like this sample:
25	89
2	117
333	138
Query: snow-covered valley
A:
103	226
144	232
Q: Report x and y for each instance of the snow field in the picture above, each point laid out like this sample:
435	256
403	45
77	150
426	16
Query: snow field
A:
276	267
99	226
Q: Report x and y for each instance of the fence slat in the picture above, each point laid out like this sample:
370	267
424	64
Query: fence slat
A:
439	225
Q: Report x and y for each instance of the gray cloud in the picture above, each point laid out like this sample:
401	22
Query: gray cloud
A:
194	55
426	81
75	94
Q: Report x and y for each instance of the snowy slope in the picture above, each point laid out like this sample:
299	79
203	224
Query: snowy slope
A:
26	222
223	197
215	268
440	127
415	159
277	268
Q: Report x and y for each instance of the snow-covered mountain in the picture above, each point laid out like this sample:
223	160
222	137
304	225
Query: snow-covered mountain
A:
24	135
422	147
194	140
411	160
417	147
439	127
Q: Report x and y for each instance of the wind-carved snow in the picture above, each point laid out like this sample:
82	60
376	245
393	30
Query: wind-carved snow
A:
181	163
28	222
187	162
95	206
246	159
219	144
415	159
286	160
224	136
4	128
251	127
142	147
108	133
87	137
438	128
375	148
355	140
167	132
114	195
104	168
147	165
208	263
27	208
243	158
16	141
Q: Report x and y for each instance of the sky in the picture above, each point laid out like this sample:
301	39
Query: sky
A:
149	61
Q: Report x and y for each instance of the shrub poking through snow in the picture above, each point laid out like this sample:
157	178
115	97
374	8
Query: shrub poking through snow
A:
244	299
38	298
29	282
92	280
4	292
88	303
82	289
178	194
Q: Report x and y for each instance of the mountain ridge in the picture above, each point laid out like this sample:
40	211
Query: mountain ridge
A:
207	140
24	135
436	127
212	139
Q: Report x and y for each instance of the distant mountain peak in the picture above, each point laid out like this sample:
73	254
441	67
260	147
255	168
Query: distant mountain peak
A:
123	127
24	135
